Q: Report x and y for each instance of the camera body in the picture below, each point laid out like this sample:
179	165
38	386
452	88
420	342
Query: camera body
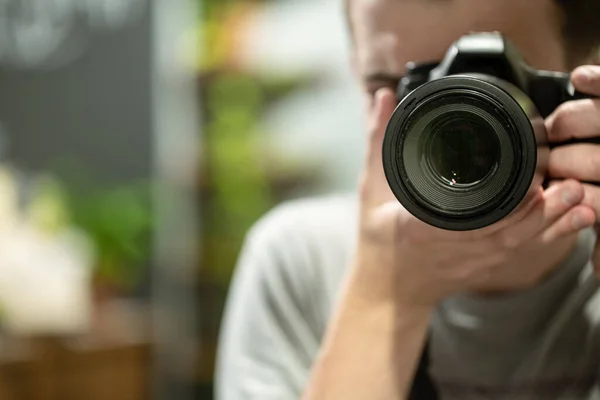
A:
466	144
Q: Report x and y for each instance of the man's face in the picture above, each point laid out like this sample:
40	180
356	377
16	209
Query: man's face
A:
390	33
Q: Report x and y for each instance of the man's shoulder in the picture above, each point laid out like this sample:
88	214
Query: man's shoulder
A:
307	243
298	252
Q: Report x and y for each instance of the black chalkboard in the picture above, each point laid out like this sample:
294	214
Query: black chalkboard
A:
75	85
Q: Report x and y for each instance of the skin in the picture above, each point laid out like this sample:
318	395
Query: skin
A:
402	267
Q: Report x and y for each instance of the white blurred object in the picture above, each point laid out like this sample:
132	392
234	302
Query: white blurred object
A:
297	37
325	121
45	279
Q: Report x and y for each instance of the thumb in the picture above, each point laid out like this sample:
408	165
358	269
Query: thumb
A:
374	184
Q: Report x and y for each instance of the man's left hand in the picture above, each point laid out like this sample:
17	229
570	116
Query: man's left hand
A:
579	119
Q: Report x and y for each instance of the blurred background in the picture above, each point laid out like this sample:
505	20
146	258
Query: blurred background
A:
139	140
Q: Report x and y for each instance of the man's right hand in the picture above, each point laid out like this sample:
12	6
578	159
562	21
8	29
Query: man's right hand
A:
403	267
401	257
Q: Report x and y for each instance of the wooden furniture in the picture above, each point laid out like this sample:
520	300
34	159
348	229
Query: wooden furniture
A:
112	362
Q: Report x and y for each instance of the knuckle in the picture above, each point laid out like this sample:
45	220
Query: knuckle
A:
575	187
570	195
508	240
561	119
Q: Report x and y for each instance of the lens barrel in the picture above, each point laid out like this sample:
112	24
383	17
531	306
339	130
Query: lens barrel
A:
462	152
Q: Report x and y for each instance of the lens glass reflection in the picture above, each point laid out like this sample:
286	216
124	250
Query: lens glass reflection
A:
461	149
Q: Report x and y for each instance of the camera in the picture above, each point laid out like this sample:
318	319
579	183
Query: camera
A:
466	144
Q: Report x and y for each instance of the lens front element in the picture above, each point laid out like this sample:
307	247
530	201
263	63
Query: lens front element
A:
462	149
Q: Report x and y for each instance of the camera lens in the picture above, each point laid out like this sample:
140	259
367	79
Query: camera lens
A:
461	153
462	149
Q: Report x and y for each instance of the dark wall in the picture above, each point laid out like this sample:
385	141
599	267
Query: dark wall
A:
94	109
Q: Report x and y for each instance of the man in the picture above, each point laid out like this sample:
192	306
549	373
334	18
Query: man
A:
334	298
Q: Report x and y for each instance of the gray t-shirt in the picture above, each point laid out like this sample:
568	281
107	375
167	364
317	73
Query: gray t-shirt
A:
542	343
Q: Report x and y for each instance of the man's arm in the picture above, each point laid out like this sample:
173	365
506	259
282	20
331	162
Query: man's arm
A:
371	349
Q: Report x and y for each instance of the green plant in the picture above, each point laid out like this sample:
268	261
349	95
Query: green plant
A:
241	177
118	220
239	190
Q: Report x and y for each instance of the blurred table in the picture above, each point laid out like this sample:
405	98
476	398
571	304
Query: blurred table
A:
113	361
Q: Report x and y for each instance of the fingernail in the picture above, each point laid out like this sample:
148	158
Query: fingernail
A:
569	197
579	222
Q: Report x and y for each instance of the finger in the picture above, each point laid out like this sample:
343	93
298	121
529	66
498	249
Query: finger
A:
556	202
586	79
477	234
576	219
382	112
374	186
515	218
574	119
554	182
591	198
577	161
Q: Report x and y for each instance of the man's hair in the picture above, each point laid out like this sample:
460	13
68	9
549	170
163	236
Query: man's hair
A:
581	29
580	21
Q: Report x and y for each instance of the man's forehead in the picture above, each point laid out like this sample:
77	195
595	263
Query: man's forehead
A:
390	33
